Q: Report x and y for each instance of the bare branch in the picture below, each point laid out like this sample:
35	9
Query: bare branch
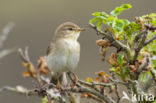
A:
116	43
140	46
83	89
24	55
5	33
144	64
143	42
150	27
118	81
31	69
5	52
149	41
117	89
153	75
94	83
18	89
104	97
139	36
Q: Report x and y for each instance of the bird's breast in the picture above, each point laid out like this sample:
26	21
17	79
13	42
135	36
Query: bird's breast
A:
72	48
65	55
74	54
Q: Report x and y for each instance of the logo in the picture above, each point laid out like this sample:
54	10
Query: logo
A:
135	98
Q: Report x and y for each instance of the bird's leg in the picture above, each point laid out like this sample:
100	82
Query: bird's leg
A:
55	78
63	80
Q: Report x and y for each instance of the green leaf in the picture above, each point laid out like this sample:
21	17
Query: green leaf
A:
124	73
143	77
154	102
153	70
110	21
126	22
153	63
113	69
130	29
44	100
99	24
121	37
120	59
103	14
100	16
151	48
153	21
152	15
148	81
94	20
96	14
117	11
126	6
118	25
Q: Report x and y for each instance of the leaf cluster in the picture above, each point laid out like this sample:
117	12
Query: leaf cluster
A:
135	57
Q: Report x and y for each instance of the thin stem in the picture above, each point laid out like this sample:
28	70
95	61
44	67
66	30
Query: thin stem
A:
149	41
116	43
139	47
83	89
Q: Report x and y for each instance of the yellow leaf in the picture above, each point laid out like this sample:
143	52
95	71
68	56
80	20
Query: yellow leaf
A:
112	60
42	66
101	73
107	76
26	74
89	79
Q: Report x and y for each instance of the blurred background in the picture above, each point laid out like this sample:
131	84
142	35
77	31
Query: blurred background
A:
35	22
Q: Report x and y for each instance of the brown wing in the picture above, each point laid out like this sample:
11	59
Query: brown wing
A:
50	48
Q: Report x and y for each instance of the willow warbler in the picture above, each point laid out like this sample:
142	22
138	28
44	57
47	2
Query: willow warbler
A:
64	51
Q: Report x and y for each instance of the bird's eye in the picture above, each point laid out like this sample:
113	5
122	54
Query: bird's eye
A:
70	29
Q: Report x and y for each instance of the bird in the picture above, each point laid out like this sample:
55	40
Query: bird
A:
63	52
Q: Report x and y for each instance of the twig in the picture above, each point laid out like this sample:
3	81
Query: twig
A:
143	42
150	27
117	89
143	65
83	89
24	56
18	89
5	33
41	91
137	37
140	46
119	82
50	93
6	52
93	84
151	40
27	54
153	75
116	43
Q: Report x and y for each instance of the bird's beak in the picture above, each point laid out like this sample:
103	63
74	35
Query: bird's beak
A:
81	29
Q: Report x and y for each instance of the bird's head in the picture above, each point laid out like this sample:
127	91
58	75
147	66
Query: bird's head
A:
68	30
